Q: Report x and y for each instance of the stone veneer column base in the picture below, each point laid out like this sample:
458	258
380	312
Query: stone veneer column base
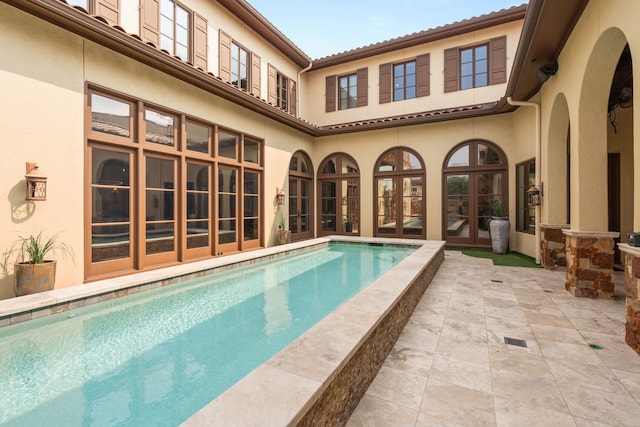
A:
553	248
590	263
632	287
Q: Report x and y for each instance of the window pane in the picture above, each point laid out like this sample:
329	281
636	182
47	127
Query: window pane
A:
410	92
303	165
466	69
481	52
481	80
251	151
160	205
160	237
251	229
197	177
159	128
197	234
226	180
166	43
466	82
410	67
410	161
412	206
487	155
197	137
227	145
329	167
398	70
251	183
110	242
197	205
110	116
388	162
160	173
466	55
481	66
251	206
227	206
398	94
182	17
460	157
166	7
226	231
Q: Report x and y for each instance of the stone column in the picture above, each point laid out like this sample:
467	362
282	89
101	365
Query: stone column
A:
632	287
590	263
553	252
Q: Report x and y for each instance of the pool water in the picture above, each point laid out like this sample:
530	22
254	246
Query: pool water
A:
155	358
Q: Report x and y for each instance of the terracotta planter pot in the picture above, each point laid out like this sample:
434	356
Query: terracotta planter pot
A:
33	278
283	237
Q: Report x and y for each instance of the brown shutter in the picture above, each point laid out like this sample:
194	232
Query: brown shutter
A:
149	21
292	98
362	78
200	42
224	57
423	75
451	67
330	93
385	83
109	10
272	85
255	75
498	60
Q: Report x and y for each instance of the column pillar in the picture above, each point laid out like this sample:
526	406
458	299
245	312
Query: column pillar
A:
632	286
553	253
590	263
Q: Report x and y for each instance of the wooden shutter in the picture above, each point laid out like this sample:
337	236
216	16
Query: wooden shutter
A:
362	78
292	98
423	75
150	21
498	60
224	56
272	85
330	93
109	10
200	49
451	67
255	75
385	83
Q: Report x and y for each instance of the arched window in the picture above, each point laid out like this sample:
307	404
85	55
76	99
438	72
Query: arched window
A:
339	193
400	194
475	182
300	196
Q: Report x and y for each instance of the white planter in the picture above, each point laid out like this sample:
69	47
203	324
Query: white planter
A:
499	232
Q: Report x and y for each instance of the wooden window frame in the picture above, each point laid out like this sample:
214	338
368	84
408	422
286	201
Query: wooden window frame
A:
177	5
296	174
340	199
107	9
522	202
400	174
139	149
404	81
496	63
226	48
474	62
347	102
275	88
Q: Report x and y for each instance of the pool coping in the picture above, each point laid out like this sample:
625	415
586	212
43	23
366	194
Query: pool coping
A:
314	375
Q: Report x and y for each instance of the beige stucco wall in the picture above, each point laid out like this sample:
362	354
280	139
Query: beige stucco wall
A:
432	142
44	70
586	66
314	102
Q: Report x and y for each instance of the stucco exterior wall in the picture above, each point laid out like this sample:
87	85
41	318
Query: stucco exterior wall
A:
586	66
315	92
44	73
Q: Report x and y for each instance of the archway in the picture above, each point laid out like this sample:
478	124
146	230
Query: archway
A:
475	180
300	196
400	194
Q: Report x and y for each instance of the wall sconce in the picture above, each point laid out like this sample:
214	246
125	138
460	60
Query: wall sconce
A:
36	183
279	196
533	194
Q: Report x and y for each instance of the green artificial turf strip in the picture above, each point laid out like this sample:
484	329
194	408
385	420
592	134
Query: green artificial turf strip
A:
511	259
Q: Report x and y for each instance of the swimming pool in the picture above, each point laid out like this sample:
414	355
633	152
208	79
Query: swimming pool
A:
188	344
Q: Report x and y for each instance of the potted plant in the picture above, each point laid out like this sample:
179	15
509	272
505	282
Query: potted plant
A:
283	235
34	270
498	227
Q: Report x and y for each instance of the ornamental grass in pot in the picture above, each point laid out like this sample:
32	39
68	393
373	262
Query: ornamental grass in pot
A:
33	265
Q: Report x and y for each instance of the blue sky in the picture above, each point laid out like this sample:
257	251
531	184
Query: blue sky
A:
325	27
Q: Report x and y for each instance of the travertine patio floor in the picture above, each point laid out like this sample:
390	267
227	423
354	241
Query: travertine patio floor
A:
451	365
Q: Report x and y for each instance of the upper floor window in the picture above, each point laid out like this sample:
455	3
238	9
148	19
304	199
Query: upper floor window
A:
405	80
282	90
176	29
238	65
108	9
352	90
348	90
475	66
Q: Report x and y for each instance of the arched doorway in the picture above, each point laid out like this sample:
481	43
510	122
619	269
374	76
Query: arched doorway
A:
400	194
300	196
475	178
339	193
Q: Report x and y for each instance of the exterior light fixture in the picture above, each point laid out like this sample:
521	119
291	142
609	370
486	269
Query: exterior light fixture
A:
279	196
36	183
533	194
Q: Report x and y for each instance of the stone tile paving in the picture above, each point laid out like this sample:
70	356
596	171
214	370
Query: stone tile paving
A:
452	367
